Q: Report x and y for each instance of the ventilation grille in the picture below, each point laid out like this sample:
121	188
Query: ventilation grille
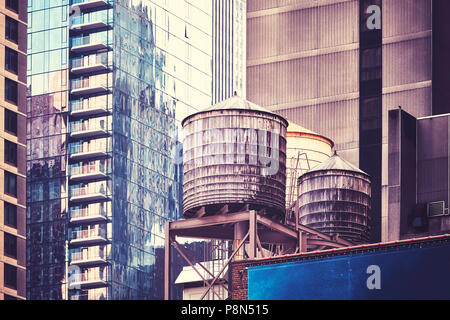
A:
437	208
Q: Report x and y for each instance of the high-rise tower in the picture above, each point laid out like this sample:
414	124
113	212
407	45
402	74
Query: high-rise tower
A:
13	47
109	81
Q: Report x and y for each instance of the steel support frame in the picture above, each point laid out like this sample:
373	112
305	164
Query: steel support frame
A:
295	236
252	239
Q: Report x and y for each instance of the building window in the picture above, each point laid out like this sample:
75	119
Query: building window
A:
12	5
10	245
11	121
11	90
11	30
10	276
10	184
11	60
8	297
10	218
10	152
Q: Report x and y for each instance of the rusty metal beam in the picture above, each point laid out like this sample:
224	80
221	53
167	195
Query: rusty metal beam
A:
261	249
277	226
167	261
209	221
196	261
211	232
302	241
321	242
253	230
226	264
200	212
195	269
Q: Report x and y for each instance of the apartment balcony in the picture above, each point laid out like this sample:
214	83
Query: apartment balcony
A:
87	172
82	26
88	44
79	110
83	130
88	4
86	88
80	67
88	153
88	194
92	257
86	215
93	279
88	236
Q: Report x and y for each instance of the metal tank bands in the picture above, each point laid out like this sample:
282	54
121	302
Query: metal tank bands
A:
234	155
334	198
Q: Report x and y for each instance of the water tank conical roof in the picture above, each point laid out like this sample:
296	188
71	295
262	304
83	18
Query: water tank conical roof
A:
234	103
335	162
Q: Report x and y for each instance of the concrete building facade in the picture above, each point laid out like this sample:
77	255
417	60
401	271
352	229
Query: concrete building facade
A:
13	47
419	183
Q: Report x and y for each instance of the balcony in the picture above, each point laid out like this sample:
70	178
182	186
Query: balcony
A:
88	215
88	129
84	87
91	257
88	4
79	25
78	109
87	44
86	194
87	172
88	151
92	279
84	65
88	236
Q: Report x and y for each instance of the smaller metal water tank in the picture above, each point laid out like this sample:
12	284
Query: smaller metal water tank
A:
334	198
305	149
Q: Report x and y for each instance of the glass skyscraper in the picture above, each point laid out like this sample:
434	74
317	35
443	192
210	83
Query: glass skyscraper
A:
228	49
108	84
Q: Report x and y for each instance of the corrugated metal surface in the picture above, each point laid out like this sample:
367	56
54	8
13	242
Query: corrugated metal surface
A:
336	202
405	16
218	172
341	126
302	30
301	79
406	62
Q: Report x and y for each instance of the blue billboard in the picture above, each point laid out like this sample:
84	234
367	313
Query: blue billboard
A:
401	273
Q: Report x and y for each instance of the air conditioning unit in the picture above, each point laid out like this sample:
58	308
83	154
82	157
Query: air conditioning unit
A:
436	209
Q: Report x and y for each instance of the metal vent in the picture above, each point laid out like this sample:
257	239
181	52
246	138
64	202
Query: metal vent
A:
436	208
